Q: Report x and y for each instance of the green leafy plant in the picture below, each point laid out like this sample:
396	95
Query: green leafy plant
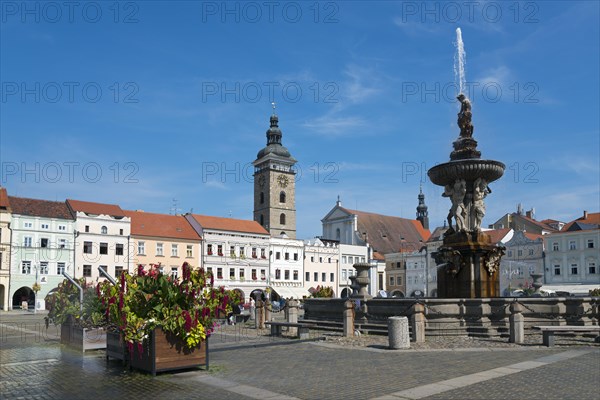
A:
323	291
595	292
63	304
186	307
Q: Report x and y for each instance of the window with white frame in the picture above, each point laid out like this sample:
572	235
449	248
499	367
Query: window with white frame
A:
242	274
556	269
331	277
590	243
323	276
87	247
242	252
103	248
572	245
344	275
189	251
174	250
27	225
315	276
141	248
44	268
44	242
62	228
219	273
286	274
392	281
62	243
60	268
87	271
555	246
343	259
592	268
307	276
174	272
45	226
574	269
159	249
119	249
295	275
118	270
104	230
27	241
232	273
277	273
26	267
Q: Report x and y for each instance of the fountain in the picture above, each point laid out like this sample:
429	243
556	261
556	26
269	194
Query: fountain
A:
468	263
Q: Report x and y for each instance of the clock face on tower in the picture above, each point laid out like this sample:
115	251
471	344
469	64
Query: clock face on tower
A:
283	180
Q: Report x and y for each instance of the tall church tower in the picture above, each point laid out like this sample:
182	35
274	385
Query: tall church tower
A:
275	185
422	213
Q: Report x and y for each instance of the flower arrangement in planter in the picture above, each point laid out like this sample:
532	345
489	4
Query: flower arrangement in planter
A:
82	327
154	311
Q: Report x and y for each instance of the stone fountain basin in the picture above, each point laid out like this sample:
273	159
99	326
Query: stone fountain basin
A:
469	170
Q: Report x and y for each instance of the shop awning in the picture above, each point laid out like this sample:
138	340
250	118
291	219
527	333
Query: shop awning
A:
288	292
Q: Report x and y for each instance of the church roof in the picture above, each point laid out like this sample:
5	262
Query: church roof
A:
388	234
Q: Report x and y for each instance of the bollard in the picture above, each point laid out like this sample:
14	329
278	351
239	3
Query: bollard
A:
259	322
398	335
418	323
268	310
349	318
517	323
292	316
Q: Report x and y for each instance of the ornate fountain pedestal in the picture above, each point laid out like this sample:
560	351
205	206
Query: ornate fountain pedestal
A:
468	266
468	263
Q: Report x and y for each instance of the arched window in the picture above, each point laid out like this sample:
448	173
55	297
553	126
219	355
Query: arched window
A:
282	197
262	197
337	233
262	219
282	219
104	230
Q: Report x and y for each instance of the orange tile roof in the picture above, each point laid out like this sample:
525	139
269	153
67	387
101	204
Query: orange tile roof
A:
95	208
40	208
4	203
592	219
386	232
497	235
378	256
229	224
533	236
161	225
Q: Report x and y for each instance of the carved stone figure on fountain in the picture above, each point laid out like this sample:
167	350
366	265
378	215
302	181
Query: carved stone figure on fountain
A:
457	194
464	117
480	191
465	147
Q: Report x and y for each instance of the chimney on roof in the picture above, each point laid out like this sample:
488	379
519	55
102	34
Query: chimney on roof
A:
519	209
139	210
585	214
338	202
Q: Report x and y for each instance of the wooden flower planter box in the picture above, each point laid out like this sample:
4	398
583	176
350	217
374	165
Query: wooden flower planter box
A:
82	339
115	346
166	352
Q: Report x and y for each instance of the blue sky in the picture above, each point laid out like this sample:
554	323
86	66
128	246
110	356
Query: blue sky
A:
140	103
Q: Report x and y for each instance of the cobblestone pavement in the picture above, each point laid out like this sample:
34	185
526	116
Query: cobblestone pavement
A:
247	364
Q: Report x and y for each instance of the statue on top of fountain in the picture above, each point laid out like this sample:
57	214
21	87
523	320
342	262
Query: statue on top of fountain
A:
464	117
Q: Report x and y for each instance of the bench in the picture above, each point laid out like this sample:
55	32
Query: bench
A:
302	328
549	331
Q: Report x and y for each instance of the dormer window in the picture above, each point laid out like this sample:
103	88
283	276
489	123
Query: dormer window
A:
104	230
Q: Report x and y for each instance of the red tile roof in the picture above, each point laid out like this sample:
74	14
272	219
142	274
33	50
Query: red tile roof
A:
95	208
229	224
388	234
40	208
592	219
378	256
533	236
542	225
497	235
4	203
161	225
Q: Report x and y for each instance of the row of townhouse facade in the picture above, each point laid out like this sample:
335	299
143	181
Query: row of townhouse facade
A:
40	240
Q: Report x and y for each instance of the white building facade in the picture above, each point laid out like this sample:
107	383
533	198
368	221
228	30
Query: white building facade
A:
287	268
42	249
321	261
102	240
236	252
